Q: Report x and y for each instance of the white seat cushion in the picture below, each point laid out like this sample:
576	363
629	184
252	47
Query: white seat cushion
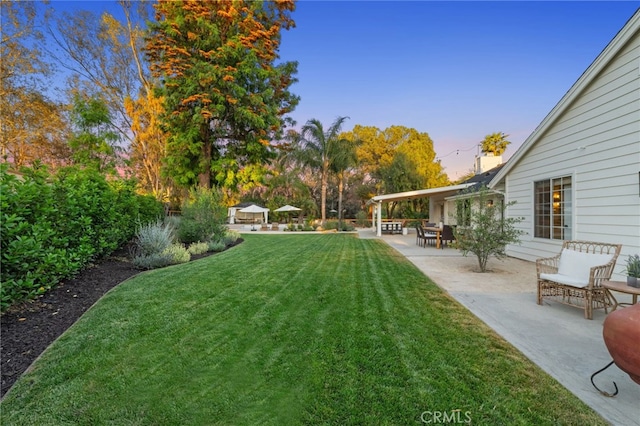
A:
566	280
577	265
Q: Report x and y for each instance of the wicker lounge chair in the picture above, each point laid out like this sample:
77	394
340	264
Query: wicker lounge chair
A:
574	276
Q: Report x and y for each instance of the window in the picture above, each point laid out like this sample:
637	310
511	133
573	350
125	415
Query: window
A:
552	207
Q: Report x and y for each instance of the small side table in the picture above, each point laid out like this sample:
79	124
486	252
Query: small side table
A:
622	287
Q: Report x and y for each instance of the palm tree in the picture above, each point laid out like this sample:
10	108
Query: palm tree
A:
495	143
344	157
319	149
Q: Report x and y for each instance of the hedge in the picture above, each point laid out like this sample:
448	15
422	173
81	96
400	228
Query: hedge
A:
54	225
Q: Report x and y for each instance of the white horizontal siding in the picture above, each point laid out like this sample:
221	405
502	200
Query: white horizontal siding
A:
596	141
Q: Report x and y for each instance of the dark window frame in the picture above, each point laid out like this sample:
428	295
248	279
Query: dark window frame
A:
553	208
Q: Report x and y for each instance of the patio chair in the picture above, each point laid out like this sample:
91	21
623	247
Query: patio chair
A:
574	277
446	236
430	237
275	226
420	239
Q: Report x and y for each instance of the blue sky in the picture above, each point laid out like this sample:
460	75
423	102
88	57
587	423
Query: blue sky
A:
455	70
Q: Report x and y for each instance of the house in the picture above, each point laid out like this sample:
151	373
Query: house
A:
481	179
442	200
577	176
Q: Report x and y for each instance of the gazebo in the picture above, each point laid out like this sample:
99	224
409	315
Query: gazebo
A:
235	214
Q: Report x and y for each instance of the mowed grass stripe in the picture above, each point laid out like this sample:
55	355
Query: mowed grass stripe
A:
285	329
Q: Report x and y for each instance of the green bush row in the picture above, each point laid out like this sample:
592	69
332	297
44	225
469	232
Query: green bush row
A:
198	230
53	225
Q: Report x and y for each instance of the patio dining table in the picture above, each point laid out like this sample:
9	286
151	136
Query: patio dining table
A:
434	230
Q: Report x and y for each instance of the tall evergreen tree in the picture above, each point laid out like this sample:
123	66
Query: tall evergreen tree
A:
225	96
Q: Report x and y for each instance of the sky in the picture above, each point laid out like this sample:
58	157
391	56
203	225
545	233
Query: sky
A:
456	70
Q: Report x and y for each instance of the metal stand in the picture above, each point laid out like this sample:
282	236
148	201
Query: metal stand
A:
601	391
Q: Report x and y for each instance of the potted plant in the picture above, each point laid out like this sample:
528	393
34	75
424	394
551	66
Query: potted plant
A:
633	270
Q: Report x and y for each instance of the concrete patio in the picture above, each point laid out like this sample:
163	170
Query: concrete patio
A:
555	337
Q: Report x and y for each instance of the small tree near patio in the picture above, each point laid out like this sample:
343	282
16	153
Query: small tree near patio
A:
483	228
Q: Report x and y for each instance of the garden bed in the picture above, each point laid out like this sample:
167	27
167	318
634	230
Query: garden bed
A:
29	327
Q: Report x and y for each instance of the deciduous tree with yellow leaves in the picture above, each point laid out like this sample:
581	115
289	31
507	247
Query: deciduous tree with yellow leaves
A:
33	127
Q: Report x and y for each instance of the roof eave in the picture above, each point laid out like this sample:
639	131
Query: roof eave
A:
399	196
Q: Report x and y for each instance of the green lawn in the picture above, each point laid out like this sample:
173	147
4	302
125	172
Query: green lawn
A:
285	330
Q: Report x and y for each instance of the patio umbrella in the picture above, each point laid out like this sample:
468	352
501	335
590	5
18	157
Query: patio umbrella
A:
287	209
254	210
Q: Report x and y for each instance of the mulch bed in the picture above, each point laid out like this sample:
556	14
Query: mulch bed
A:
27	329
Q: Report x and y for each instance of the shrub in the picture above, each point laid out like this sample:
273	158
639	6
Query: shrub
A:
362	219
217	246
153	238
231	236
488	231
203	216
171	255
198	248
341	226
177	253
53	225
330	224
347	227
152	261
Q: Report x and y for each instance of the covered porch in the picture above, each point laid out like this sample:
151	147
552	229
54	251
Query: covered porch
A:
439	208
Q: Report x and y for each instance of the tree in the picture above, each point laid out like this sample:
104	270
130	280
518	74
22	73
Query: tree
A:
495	143
418	146
398	153
378	149
399	176
32	127
94	143
148	148
103	56
225	97
320	150
105	59
488	230
344	158
375	149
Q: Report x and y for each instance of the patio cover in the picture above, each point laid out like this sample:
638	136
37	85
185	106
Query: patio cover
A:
410	195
